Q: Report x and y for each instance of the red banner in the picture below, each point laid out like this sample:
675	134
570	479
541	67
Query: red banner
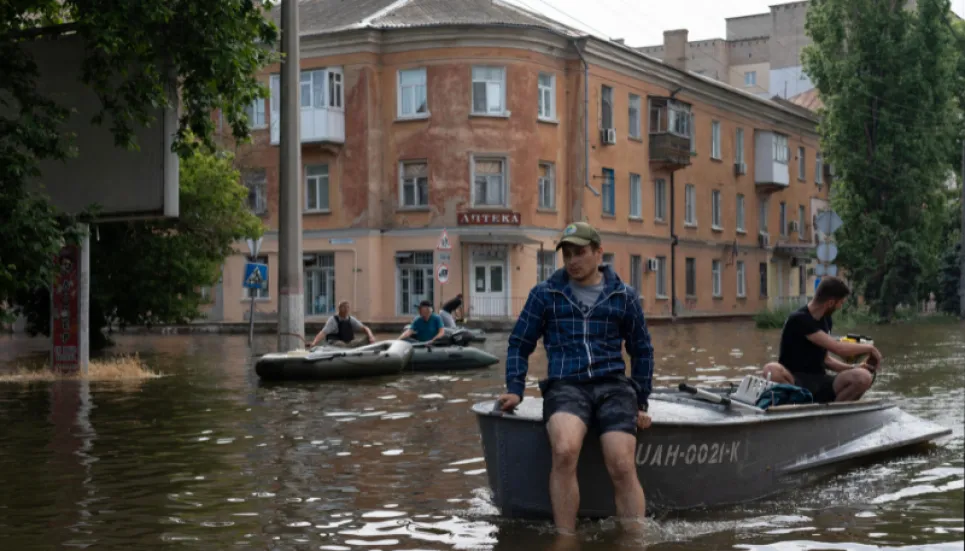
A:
65	310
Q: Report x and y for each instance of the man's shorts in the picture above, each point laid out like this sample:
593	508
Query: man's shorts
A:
607	403
820	386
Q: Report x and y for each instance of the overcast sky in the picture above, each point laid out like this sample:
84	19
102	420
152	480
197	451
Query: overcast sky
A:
642	22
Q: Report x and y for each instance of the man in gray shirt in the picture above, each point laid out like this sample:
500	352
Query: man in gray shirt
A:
340	330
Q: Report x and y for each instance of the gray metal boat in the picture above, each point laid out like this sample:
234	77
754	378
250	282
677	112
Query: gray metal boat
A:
381	358
704	449
426	357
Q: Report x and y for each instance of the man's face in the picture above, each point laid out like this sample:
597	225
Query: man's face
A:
581	262
424	311
343	310
835	305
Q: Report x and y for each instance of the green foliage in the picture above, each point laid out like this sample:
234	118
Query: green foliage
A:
887	78
211	49
151	272
948	296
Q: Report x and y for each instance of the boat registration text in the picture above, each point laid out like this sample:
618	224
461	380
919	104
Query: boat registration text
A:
671	455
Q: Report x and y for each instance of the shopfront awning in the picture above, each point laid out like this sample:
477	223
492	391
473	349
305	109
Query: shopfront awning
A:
484	238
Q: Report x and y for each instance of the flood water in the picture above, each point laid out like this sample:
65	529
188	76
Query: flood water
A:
209	458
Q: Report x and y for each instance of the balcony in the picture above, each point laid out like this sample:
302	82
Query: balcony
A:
670	126
772	155
322	112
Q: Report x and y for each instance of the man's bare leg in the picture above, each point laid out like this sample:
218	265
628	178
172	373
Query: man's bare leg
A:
619	455
566	432
779	374
852	384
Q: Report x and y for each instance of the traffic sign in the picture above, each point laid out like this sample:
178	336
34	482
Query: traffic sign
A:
256	275
827	252
828	222
254	246
444	256
832	270
444	243
817	281
819	270
442	273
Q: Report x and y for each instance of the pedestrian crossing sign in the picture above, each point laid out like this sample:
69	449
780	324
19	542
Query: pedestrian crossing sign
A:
444	243
256	275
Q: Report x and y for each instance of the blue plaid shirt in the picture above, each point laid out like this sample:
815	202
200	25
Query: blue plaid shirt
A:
582	346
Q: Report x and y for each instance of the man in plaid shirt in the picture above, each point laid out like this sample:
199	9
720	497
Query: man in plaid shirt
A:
584	313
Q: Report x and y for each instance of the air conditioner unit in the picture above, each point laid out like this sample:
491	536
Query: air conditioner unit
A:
651	264
793	227
609	136
740	168
763	239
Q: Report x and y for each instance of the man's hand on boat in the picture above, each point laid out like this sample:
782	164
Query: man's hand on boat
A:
643	420
508	402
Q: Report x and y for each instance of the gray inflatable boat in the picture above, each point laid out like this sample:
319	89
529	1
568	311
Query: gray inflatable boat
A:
705	448
381	358
428	357
459	335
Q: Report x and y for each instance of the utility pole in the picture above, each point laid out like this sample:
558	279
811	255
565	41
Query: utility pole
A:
291	304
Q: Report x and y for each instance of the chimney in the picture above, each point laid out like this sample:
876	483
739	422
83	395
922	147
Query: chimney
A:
675	48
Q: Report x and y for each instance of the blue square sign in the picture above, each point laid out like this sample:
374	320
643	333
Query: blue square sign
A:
256	276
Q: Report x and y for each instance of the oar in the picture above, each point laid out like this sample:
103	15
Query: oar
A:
717	398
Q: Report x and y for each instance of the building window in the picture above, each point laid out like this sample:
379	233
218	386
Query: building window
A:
801	164
783	218
634	115
818	168
259	294
636	272
609	191
781	151
716	277
334	89
414	187
606	113
741	280
256	114
661	276
312	89
489	182
414	279
256	182
636	196
547	186
319	283
412	93
763	268
660	200
740	213
547	96
690	272
547	264
762	216
800	221
715	221
488	90
739	149
715	140
690	205
750	78
693	134
316	188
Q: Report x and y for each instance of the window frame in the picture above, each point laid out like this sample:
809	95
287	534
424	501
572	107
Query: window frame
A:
690	277
741	269
802	163
690	206
660	288
608	192
739	146
660	200
400	107
318	180
741	213
606	106
716	207
636	203
715	146
546	112
415	191
717	278
503	111
543	182
635	131
504	160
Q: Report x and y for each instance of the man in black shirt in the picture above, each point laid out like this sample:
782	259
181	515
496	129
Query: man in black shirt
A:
805	342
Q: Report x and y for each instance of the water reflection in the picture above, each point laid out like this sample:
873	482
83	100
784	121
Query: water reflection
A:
212	458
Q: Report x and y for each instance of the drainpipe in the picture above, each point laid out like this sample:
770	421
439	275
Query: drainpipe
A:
586	131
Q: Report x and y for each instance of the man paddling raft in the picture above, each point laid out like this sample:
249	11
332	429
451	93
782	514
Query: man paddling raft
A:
585	314
340	330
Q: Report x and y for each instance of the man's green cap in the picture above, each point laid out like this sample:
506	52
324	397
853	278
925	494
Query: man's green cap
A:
579	234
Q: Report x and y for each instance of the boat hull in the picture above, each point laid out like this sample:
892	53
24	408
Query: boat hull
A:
449	358
379	359
694	455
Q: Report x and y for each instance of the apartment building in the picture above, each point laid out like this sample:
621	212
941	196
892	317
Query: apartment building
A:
501	126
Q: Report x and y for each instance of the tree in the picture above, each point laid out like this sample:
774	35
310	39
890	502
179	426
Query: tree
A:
886	75
151	272
214	48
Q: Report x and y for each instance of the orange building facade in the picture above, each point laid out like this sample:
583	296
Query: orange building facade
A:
704	194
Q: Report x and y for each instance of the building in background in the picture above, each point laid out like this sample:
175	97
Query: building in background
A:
471	116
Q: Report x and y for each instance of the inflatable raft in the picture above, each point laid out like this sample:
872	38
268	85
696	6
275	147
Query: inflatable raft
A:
381	358
459	335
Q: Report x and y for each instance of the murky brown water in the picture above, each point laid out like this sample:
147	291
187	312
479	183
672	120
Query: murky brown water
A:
209	458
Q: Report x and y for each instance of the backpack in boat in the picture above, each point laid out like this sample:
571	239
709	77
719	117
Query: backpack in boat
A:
782	394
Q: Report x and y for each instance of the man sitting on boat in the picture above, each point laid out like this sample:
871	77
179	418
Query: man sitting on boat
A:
340	330
426	327
585	314
448	311
805	342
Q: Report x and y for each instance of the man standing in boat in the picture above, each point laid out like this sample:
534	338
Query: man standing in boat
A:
340	330
585	314
805	342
